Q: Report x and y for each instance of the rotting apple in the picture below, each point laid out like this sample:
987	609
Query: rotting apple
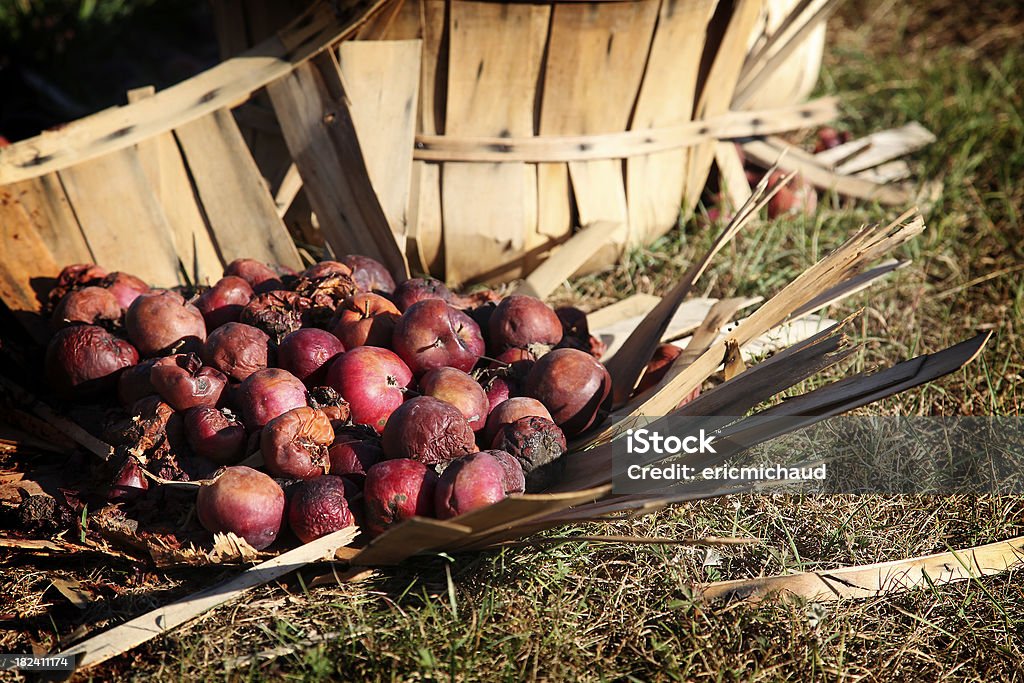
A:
515	478
84	360
460	390
469	483
223	302
216	435
419	289
163	322
428	430
369	274
89	305
261	277
511	410
183	382
432	334
295	444
365	319
523	322
237	350
245	502
397	490
537	444
126	288
355	451
573	386
317	507
306	353
267	393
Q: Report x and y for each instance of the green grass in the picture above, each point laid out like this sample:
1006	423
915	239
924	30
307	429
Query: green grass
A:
614	612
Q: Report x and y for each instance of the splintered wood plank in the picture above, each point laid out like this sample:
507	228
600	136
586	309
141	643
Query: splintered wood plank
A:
490	210
47	205
25	264
717	91
315	117
606	44
565	260
425	223
122	221
162	163
382	82
654	183
241	212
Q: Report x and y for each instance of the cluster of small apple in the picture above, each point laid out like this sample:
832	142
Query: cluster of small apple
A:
327	397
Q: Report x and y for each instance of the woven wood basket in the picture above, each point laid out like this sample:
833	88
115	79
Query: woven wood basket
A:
471	136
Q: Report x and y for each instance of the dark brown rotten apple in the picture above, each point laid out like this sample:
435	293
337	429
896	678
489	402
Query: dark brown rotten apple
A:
537	445
573	386
373	381
89	305
469	483
184	382
397	490
318	507
84	360
295	444
306	353
459	389
523	321
245	502
133	382
419	289
73	277
431	334
237	350
428	430
277	312
223	303
365	319
216	435
265	394
163	322
369	274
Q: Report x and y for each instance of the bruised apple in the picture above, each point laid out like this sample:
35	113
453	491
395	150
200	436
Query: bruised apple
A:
89	305
305	353
428	430
460	390
397	490
215	434
419	289
573	386
510	411
223	303
365	319
515	478
265	394
84	360
469	483
183	382
537	445
295	444
237	350
126	288
318	507
354	451
523	321
260	276
133	382
163	322
245	502
432	334
325	268
369	274
372	380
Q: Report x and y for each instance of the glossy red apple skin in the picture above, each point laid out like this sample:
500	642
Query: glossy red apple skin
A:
223	302
163	322
84	360
419	289
511	410
89	305
215	435
354	452
460	390
237	350
245	502
397	490
318	507
267	393
261	277
183	382
431	334
126	288
469	483
295	444
369	274
521	321
365	319
373	381
573	386
428	430
306	354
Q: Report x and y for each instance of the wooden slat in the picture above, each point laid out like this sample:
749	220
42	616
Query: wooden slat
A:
635	306
654	183
316	120
717	90
632	143
241	212
886	145
224	85
122	221
490	210
566	260
162	163
382	82
731	176
596	43
25	263
47	205
412	536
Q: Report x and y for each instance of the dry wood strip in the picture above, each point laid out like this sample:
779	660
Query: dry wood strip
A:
162	163
26	266
122	220
241	212
225	85
654	182
413	536
558	148
382	82
50	212
566	260
131	634
876	580
732	177
317	124
490	211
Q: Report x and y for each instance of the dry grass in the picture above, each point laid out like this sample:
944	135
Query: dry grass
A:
598	612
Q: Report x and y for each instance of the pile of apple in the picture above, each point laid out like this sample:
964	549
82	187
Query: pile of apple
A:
354	400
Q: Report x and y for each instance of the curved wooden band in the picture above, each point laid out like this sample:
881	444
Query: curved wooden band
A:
561	148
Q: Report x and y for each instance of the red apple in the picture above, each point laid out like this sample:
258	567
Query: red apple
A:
183	382
432	334
510	411
223	303
365	319
125	288
419	289
306	353
574	386
372	380
369	274
245	502
163	322
84	360
237	350
260	276
460	390
354	451
295	444
325	268
265	394
215	435
522	321
318	507
89	305
469	483
397	490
